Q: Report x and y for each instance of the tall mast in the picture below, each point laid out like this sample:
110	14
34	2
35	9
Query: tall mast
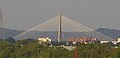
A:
1	25
60	29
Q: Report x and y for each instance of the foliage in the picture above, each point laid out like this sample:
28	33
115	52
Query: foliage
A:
32	49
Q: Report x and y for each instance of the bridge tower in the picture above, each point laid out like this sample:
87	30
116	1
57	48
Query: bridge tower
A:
60	28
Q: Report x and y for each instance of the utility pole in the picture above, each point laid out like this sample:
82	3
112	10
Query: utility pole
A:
1	25
60	29
76	52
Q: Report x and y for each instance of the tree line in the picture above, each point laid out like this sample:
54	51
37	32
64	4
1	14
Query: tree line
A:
32	49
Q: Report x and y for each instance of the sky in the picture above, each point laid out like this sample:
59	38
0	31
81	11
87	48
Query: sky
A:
25	14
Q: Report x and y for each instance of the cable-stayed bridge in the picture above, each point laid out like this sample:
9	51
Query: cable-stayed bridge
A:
61	28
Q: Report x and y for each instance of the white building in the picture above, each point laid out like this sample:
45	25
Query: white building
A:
114	42
104	42
44	40
118	40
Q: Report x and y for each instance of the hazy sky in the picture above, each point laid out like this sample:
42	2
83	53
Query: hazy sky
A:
24	14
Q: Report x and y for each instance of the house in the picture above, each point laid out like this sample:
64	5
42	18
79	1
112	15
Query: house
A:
82	40
44	40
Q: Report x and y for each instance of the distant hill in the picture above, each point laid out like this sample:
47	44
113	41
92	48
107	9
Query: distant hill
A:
11	33
113	33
